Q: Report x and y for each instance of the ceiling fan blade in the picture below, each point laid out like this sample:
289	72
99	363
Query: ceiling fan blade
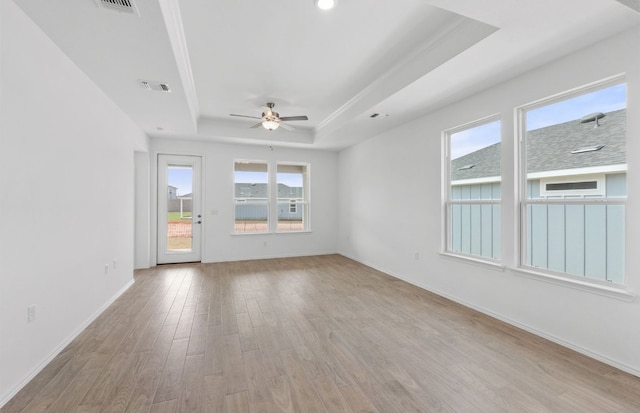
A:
244	116
285	126
257	125
290	118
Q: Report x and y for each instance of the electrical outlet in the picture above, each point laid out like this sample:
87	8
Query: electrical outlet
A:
31	313
115	263
106	268
417	256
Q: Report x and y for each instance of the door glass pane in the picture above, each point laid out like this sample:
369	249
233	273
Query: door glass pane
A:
179	208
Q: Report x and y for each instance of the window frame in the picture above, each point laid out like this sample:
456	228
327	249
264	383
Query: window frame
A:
448	202
237	201
523	201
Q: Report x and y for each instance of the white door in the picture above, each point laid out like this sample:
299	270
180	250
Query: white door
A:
179	209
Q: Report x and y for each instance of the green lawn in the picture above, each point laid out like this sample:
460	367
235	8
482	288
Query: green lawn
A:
175	216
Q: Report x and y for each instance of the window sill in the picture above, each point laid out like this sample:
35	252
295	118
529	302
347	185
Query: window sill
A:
495	265
614	291
241	234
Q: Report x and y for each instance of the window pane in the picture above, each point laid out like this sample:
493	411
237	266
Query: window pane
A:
475	155
576	150
587	131
251	194
474	171
292	198
475	230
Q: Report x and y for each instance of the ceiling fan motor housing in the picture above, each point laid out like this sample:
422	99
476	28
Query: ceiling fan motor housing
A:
270	116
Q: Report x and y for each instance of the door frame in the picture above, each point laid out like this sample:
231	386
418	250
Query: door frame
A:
172	257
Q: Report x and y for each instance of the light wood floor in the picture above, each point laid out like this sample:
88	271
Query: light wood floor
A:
316	334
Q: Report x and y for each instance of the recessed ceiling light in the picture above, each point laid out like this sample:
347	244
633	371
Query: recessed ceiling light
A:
325	4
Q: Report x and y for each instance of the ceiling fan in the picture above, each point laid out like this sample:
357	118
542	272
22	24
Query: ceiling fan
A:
271	120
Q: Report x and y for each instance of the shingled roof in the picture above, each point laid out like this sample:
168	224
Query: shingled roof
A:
549	149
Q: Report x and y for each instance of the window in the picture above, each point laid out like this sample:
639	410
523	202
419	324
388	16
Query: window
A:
251	196
293	207
472	190
573	183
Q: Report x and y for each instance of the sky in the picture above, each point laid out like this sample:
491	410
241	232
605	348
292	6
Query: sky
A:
181	178
603	100
476	138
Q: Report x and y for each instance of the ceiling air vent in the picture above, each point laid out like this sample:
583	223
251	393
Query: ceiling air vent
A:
124	6
157	86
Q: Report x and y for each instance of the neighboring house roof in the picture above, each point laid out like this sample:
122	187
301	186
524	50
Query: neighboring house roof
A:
243	190
549	149
486	163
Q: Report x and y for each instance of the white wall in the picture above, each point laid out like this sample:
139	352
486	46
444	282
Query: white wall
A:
390	209
218	210
142	219
66	204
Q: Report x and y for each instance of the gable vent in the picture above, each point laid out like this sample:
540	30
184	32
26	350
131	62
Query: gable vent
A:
157	86
125	6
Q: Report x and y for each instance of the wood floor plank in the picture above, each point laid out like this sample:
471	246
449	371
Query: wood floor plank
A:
75	391
260	397
310	334
171	383
214	394
330	395
237	402
357	400
306	399
164	407
233	365
192	395
148	380
213	351
50	393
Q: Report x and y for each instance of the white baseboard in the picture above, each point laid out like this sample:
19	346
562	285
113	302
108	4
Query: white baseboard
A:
4	399
552	338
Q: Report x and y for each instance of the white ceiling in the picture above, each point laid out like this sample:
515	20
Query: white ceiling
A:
402	58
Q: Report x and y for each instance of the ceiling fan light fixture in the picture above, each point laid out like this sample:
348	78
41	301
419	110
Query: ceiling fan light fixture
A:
325	4
270	124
